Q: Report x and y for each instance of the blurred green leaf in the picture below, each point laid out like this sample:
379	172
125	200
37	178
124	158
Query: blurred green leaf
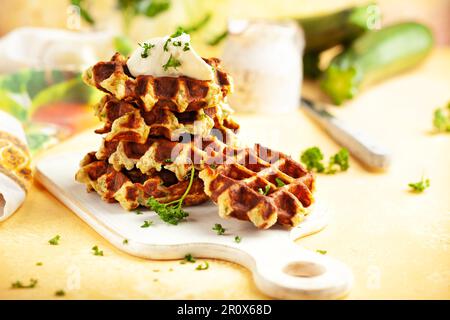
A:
83	11
123	45
199	24
218	39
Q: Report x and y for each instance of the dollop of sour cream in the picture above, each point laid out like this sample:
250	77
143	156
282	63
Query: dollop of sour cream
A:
169	57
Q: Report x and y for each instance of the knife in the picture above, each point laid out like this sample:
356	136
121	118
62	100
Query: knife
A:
371	154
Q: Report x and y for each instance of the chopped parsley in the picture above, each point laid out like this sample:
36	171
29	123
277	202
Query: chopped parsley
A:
265	191
313	157
340	160
125	241
147	223
219	229
60	293
147	47
203	267
171	63
20	285
321	251
97	251
172	212
178	32
186	46
55	240
189	258
168	160
39	264
279	182
137	211
441	119
237	239
420	186
166	44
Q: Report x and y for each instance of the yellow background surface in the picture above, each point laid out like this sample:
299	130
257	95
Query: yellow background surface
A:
397	243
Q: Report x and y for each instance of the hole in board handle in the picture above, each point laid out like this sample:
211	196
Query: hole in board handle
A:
304	269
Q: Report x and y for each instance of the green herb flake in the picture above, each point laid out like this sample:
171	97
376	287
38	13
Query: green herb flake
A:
125	241
20	285
171	63
166	44
321	251
340	160
237	239
147	47
204	266
219	229
419	187
312	158
97	251
39	264
186	46
55	240
172	212
441	119
147	223
60	293
137	211
189	258
265	191
178	32
279	182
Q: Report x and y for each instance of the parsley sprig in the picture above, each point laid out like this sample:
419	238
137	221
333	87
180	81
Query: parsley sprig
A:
313	157
172	212
147	223
147	47
219	229
420	186
172	63
441	119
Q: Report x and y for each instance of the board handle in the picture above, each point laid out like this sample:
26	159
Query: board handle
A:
296	273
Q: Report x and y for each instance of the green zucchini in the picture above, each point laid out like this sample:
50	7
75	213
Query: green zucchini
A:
375	56
327	30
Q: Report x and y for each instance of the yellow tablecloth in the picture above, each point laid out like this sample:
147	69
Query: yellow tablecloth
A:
397	243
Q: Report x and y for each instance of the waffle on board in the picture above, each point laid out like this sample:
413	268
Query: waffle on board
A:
125	121
262	186
162	133
178	94
131	188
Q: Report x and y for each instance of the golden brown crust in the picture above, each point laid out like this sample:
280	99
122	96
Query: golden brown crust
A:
178	94
132	188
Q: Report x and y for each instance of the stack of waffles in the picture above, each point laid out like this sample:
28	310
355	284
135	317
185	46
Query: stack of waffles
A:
167	136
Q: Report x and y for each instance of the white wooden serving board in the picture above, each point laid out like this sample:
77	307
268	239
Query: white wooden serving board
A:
280	268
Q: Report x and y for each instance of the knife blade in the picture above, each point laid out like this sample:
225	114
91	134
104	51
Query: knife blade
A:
368	152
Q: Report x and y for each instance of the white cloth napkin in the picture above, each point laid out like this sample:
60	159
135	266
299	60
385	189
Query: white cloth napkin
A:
15	170
45	48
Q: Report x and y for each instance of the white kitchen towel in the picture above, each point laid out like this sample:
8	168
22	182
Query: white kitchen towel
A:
15	165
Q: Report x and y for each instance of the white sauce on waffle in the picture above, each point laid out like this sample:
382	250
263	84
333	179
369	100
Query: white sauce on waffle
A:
169	57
